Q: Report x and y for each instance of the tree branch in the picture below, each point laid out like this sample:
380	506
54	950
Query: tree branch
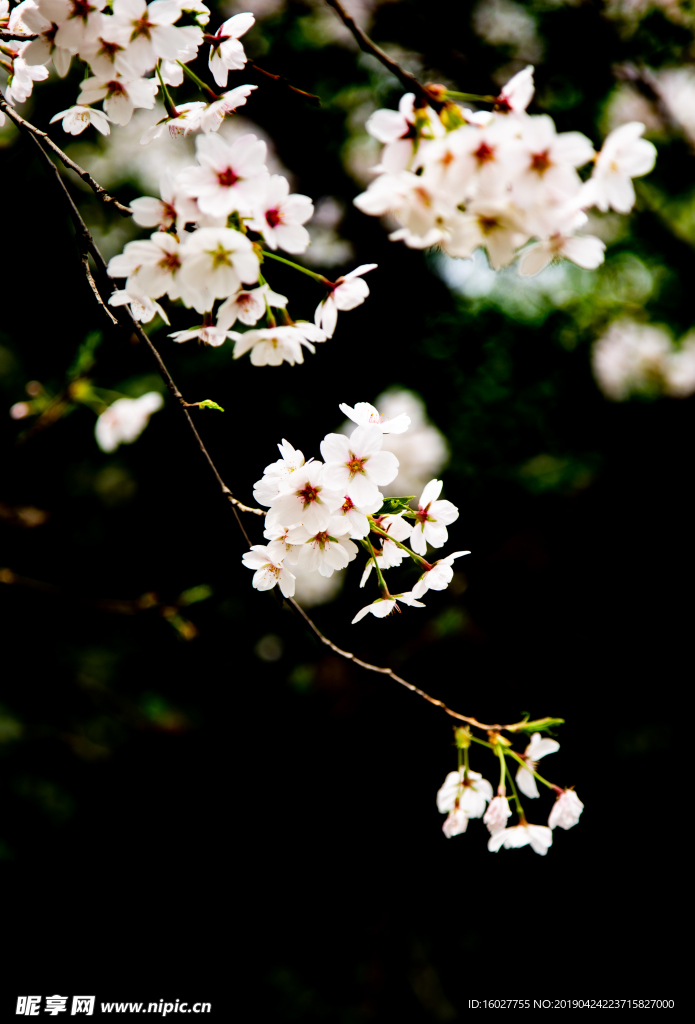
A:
365	44
85	238
31	129
284	82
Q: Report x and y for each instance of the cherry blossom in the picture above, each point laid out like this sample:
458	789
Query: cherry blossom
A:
215	113
305	500
120	95
518	92
356	522
268	571
455	824
152	267
347	293
229	177
208	334
271	346
173	208
383	606
41	50
226	52
248	306
439	576
465	791
276	474
153	34
125	420
321	550
432	519
537	748
566	810
624	156
215	262
356	465
142	308
538	837
497	814
187	119
21	83
75	120
363	413
78	21
279	216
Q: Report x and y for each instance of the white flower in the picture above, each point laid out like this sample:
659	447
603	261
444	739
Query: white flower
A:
75	120
357	466
187	120
356	522
322	550
279	216
518	92
271	346
566	810
496	815
586	251
364	413
280	548
125	420
550	161
227	103
215	262
469	793
268	571
40	50
209	335
305	500
389	125
624	156
275	476
537	748
632	357
152	32
23	77
152	267
492	224
397	528
439	576
120	95
383	606
349	291
229	177
226	52
78	21
108	57
539	837
456	822
173	208
248	306
432	519
142	308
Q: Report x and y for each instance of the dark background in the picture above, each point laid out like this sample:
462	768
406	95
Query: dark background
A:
183	819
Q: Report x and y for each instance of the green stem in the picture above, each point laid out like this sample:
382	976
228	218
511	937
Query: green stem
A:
383	533
383	589
535	774
470	97
519	808
168	102
465	763
199	82
310	273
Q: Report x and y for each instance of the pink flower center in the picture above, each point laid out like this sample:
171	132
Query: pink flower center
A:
348	505
115	88
540	162
274	217
421	515
81	9
170	261
308	494
484	153
227	178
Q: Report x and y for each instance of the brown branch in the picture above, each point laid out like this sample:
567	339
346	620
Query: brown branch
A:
410	82
5	34
134	327
31	129
281	80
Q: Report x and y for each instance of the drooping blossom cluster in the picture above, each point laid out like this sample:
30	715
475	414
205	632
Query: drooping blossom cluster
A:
317	510
466	794
213	221
131	50
641	359
501	180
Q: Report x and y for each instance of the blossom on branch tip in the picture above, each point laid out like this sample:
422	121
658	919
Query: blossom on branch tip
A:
383	606
216	112
268	572
468	792
304	500
125	420
516	95
356	465
279	216
363	414
121	96
215	263
348	292
566	810
496	815
229	178
537	748
321	550
75	120
276	475
538	837
455	824
624	156
226	52
439	576
431	519
173	208
142	308
271	346
152	32
187	119
356	522
248	306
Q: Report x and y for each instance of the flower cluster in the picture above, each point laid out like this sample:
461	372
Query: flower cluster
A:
130	51
633	358
317	510
214	220
499	180
466	794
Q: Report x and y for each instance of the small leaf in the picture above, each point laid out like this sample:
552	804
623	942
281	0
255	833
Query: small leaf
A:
209	404
539	725
194	594
392	506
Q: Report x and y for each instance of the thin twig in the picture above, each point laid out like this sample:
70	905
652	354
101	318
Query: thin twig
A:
20	38
84	237
365	43
281	80
92	285
31	129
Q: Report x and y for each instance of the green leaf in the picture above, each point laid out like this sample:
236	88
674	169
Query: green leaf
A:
539	725
195	594
209	404
392	506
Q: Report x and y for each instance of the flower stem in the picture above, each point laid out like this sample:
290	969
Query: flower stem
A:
199	82
519	808
470	97
310	273
465	763
383	533
383	589
540	778
168	102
